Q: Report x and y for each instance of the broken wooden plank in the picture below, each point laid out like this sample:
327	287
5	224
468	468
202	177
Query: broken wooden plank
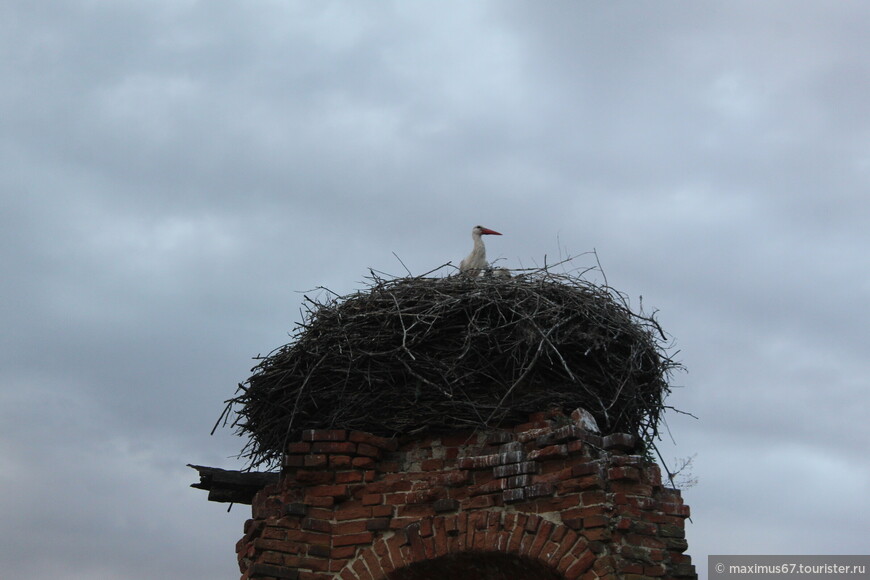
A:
228	486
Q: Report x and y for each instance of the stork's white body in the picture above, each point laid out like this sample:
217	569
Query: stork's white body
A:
475	262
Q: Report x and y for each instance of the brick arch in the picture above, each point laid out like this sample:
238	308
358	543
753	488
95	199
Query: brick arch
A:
477	566
552	548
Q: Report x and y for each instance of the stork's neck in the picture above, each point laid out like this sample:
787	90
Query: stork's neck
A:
479	249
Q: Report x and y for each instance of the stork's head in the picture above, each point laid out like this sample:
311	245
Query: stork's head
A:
482	231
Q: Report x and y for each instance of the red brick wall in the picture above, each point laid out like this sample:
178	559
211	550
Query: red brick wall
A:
547	495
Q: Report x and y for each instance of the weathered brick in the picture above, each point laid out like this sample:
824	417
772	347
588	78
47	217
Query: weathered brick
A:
380	511
684	570
395	498
372	499
274	533
349	512
540	490
576	447
339	462
515	469
518	481
342	447
565	544
314	477
675	530
277	545
299	447
478	462
544	531
573	522
597	534
592	497
316	525
450	478
377	524
424	496
588	482
324	435
584	419
385	466
587	439
349	527
316	564
584	511
260	569
352	539
480	502
632	571
309	537
645	528
368	450
532	522
295	509
512	457
586	468
321	502
348	476
677	509
320	551
620	442
623	473
556	504
555	475
316	460
548	452
536	428
373	440
390	484
445	505
560	435
676	544
432	464
373	564
330	490
363	462
654	570
631	488
595	522
417	511
580	565
303	575
360	568
342	552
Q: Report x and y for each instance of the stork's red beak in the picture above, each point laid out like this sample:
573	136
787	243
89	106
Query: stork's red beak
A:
490	232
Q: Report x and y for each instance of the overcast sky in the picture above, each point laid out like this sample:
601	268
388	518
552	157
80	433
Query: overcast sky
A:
175	174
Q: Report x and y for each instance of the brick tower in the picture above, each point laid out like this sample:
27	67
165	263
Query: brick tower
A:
550	496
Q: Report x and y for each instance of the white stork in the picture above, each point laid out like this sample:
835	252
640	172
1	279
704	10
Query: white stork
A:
475	262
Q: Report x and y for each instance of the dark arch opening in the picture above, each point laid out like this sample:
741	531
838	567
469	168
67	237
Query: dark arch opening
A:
477	566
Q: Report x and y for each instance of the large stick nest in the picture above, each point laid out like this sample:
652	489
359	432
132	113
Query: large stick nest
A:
414	354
